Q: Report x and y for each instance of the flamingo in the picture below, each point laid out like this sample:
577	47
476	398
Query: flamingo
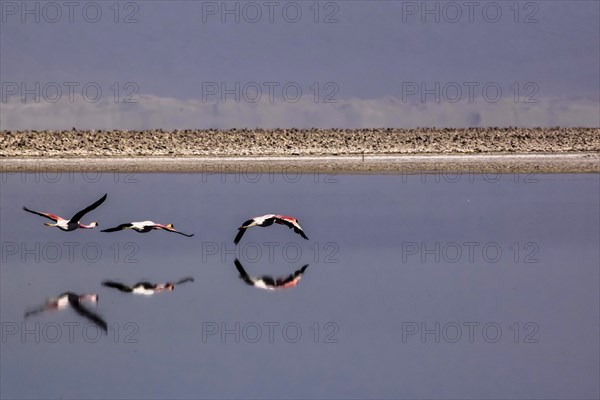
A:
146	288
268	220
73	300
268	282
73	223
145	226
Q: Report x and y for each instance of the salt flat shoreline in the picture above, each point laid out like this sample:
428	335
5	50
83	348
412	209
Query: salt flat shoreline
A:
358	164
386	150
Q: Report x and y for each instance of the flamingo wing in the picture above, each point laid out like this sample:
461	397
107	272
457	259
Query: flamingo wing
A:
242	230
301	233
293	226
239	235
92	316
36	311
86	210
243	274
269	281
146	285
118	286
45	215
293	276
284	221
247	223
268	221
174	231
184	280
117	228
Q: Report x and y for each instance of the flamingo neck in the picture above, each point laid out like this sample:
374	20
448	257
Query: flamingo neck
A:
90	226
89	297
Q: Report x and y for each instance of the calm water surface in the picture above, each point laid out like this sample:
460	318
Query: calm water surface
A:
418	286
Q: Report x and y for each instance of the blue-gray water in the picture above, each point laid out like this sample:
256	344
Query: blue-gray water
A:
502	271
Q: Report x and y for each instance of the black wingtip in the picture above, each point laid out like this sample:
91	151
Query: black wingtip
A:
301	233
240	268
185	280
103	198
239	235
103	326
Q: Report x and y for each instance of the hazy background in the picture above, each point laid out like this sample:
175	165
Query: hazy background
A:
358	65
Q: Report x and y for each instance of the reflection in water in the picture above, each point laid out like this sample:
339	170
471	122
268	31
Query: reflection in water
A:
74	301
146	288
268	282
434	289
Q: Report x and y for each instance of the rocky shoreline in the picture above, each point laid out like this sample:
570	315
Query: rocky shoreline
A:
290	142
496	150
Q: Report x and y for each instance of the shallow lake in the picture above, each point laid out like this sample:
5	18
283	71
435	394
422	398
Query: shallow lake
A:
418	286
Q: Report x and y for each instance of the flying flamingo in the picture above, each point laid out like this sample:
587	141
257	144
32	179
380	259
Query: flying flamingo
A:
74	301
145	226
70	224
268	282
146	288
268	220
